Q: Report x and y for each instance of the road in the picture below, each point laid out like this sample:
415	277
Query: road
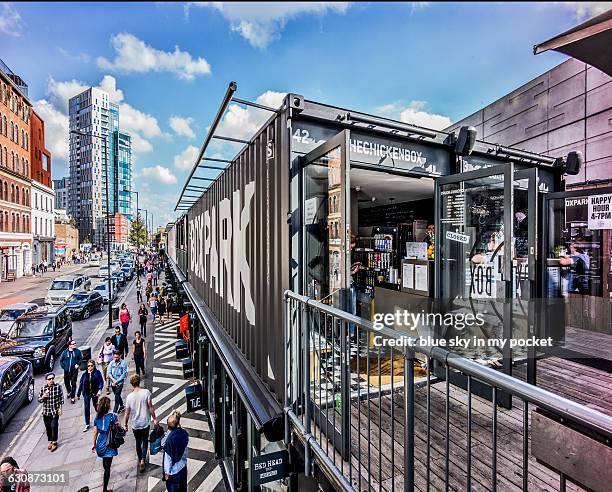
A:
82	331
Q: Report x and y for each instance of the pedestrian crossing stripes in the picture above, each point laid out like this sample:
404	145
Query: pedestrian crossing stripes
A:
203	471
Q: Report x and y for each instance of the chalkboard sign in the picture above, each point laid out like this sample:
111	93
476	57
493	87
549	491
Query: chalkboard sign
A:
269	467
396	213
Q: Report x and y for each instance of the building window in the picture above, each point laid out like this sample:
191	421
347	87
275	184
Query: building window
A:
6	196
27	198
12	132
5	126
36	200
17	194
12	193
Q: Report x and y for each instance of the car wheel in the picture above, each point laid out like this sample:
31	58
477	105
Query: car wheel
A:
86	313
30	397
50	362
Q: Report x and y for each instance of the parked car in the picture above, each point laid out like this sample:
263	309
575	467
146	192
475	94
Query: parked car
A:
8	314
39	336
94	261
115	266
102	289
119	278
16	387
84	304
128	271
62	288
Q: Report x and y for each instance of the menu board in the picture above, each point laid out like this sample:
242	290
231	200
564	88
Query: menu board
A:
453	211
416	250
408	276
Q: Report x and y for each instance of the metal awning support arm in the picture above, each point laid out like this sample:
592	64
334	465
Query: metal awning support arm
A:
221	111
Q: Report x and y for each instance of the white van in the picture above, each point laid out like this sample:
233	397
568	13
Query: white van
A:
62	288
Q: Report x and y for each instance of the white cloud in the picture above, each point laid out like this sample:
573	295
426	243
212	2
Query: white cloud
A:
109	84
158	173
186	159
241	122
10	20
77	57
56	129
133	120
182	126
415	114
135	56
588	9
260	23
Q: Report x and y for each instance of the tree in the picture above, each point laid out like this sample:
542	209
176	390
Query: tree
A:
138	233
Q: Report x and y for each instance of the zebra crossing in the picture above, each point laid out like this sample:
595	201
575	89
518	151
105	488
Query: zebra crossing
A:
203	471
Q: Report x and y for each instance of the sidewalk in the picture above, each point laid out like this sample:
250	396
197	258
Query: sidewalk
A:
74	452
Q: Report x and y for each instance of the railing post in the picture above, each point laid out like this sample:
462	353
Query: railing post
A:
345	392
409	421
288	340
306	386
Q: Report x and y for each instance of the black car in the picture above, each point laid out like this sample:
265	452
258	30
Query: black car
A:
16	387
84	304
39	336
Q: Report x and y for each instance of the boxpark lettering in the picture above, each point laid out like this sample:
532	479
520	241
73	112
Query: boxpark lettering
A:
391	151
218	254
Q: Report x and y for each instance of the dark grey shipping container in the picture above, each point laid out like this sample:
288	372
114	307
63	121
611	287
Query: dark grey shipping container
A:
238	250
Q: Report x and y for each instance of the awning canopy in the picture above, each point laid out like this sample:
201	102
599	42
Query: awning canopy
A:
590	42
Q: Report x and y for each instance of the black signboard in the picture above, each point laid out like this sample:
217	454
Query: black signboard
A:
187	364
374	151
194	397
269	467
182	350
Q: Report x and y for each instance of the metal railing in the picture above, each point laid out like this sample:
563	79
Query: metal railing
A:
376	418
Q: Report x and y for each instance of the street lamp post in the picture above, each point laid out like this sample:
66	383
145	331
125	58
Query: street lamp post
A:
108	243
137	217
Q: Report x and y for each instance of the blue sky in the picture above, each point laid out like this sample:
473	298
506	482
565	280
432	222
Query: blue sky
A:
168	65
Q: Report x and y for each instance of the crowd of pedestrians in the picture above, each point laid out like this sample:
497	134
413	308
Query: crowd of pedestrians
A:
109	369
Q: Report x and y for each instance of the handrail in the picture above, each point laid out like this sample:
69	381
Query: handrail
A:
547	400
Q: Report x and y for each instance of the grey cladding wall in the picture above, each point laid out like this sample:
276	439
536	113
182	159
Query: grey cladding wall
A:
567	108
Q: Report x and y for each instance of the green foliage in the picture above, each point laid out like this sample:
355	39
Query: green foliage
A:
138	233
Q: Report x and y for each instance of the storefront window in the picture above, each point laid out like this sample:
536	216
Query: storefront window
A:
579	266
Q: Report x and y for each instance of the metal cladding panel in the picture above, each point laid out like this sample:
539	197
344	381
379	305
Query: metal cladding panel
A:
238	240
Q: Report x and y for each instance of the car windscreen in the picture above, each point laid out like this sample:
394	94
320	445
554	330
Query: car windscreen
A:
61	285
79	297
11	314
100	287
32	328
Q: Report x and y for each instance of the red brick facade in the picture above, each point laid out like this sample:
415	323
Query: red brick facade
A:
40	156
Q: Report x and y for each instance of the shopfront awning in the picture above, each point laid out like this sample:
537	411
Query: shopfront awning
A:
590	42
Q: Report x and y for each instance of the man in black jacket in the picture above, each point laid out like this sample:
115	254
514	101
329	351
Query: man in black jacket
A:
120	342
70	362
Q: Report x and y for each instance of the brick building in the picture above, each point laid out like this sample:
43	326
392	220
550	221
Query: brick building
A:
43	196
15	176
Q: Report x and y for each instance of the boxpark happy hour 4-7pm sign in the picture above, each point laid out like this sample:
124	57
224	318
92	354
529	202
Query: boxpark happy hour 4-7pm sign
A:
600	211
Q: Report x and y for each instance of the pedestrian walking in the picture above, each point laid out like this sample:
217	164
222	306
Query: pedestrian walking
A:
138	293
169	305
102	423
139	409
140	353
174	465
149	277
143	314
153	307
13	478
120	342
124	317
90	386
117	372
105	357
70	362
51	396
161	308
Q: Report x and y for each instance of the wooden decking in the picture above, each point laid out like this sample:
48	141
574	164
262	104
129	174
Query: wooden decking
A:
377	434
